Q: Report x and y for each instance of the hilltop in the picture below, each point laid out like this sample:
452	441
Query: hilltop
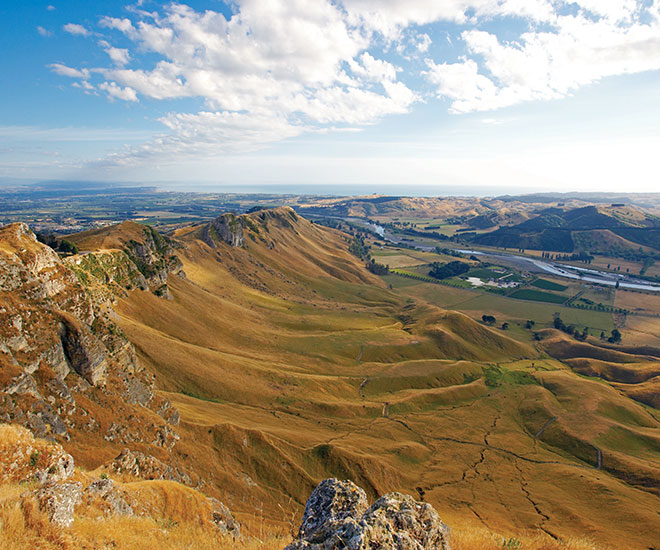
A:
284	361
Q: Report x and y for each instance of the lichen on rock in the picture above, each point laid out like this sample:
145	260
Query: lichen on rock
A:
337	516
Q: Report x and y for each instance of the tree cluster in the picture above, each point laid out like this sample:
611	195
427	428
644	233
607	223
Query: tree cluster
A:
451	269
571	330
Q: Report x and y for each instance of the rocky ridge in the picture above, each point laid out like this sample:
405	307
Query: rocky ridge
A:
64	363
125	256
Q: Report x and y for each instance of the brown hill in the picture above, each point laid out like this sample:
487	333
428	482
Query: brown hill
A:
289	363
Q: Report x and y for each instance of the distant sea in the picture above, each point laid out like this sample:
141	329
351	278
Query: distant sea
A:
340	189
346	190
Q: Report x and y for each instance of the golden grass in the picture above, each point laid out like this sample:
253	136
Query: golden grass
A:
24	527
483	539
21	454
288	387
281	361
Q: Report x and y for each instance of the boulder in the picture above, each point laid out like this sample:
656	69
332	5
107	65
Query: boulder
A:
333	510
337	516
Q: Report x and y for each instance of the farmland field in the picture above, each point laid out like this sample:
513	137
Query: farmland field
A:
538	296
548	285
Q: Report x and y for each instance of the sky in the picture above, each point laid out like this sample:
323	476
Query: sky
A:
501	95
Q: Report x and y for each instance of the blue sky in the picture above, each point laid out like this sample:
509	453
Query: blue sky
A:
385	94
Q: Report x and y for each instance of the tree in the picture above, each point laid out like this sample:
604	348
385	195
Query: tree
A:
615	338
505	326
529	324
488	319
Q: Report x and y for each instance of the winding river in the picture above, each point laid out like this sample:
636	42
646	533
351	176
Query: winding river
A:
523	262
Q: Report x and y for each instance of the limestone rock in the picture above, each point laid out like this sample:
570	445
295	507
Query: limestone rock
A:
84	351
228	227
105	490
148	467
336	517
334	506
24	458
59	500
398	521
23	384
223	519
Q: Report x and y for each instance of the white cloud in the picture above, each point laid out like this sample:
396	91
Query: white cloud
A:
117	92
50	8
44	32
423	43
392	17
615	10
74	28
63	70
293	65
120	56
123	25
546	64
297	66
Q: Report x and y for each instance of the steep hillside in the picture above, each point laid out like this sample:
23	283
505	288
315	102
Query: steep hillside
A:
288	363
295	357
67	371
150	256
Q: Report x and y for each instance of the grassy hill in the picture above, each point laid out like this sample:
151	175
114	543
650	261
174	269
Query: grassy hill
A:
289	362
296	356
593	228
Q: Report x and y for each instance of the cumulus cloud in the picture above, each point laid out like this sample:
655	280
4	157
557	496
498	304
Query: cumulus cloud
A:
293	66
117	92
74	28
44	32
578	50
390	18
423	42
276	69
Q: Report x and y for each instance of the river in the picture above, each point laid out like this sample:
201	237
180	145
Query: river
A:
524	263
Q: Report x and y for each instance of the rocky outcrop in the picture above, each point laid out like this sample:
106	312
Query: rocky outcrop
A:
24	458
227	228
337	516
155	258
114	500
223	519
144	466
84	351
125	256
59	501
60	347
